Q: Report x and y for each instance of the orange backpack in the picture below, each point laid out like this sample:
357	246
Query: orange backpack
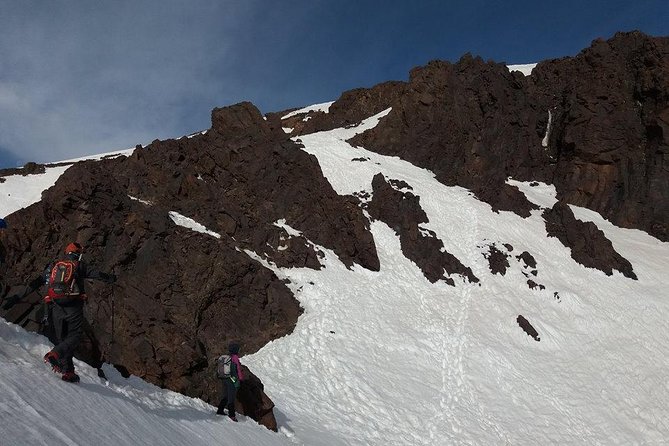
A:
62	281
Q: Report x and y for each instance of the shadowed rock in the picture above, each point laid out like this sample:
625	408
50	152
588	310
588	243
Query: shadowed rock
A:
497	260
528	328
402	212
474	124
588	244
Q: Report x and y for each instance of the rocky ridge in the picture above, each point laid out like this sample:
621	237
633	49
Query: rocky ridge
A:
595	125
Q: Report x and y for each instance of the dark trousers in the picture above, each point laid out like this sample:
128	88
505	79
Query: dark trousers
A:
228	396
68	326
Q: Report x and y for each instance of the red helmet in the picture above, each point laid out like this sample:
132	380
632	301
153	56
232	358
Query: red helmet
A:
74	247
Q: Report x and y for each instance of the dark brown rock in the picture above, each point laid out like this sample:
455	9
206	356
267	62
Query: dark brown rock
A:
349	110
28	169
527	259
253	402
588	244
461	132
610	142
474	124
533	285
174	306
402	212
497	260
528	328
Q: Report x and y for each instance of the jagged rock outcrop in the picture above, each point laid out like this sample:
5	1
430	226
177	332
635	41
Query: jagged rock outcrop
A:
253	402
588	244
474	124
610	129
402	211
350	109
527	327
528	260
498	261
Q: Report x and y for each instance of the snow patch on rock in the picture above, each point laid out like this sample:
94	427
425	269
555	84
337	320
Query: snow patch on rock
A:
191	224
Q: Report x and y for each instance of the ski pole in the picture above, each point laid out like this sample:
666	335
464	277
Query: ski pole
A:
113	298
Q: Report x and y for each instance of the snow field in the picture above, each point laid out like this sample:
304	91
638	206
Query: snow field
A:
417	363
19	191
387	358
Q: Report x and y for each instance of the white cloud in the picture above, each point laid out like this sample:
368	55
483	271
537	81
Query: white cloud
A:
89	78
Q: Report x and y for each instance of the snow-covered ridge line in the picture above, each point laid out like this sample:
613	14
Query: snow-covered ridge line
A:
526	69
98	157
18	191
324	107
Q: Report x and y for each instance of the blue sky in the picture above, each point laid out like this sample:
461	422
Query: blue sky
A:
92	77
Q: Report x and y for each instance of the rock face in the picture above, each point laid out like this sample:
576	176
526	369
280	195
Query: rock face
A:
474	124
182	296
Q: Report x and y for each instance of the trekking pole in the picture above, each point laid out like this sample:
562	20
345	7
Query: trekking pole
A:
113	296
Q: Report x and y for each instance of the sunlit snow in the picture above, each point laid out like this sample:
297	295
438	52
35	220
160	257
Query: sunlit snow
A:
189	223
526	69
37	408
323	107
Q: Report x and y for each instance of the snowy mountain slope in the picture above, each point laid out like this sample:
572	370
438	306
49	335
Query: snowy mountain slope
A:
19	191
37	408
389	358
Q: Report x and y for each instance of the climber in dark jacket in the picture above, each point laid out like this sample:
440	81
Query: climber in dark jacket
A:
65	298
231	383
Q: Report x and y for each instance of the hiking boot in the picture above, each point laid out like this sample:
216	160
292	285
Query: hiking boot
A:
52	359
71	377
233	419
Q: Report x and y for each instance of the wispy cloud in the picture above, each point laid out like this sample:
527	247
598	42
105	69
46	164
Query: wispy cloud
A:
83	77
90	78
